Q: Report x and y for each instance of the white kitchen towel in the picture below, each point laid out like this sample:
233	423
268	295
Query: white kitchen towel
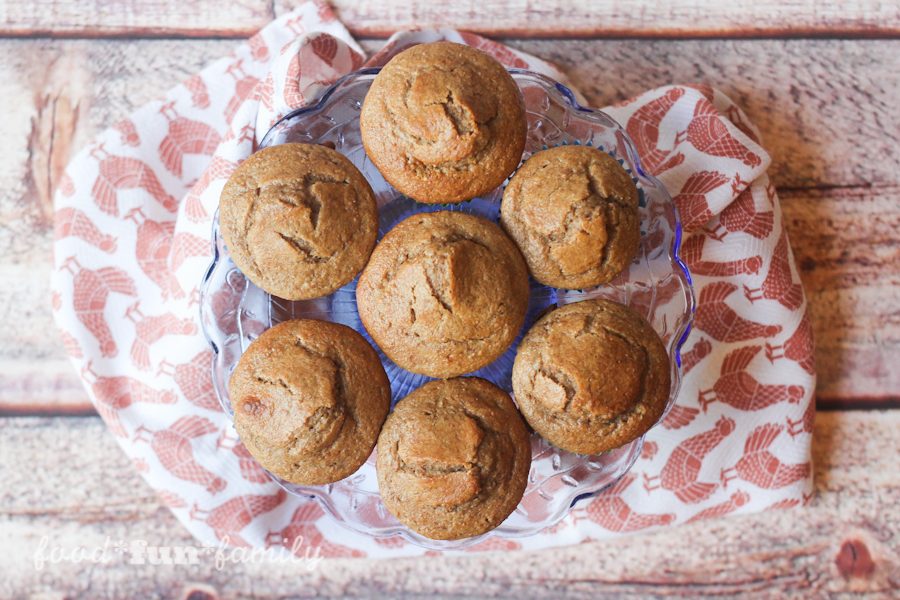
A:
133	221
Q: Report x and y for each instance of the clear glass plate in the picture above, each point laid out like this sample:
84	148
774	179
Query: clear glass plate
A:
657	284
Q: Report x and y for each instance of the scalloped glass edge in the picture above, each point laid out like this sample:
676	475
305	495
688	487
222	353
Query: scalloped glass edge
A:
678	339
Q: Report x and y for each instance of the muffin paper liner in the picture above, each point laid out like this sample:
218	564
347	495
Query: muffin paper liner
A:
134	211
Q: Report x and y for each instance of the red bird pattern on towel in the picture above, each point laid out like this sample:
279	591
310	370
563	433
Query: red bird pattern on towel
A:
91	290
708	133
681	472
302	534
196	86
692	357
125	173
113	394
228	519
724	323
128	131
779	283
250	469
679	416
611	512
73	222
175	453
692	253
762	468
219	169
244	86
742	215
691	200
192	379
185	136
149	330
740	390
797	348
643	129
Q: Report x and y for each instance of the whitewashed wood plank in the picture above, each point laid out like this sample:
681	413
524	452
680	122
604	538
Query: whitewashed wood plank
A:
511	18
833	141
66	478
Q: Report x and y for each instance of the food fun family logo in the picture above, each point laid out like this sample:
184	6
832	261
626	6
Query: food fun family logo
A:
141	552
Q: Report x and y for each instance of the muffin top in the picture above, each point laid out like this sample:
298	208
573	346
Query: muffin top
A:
453	458
591	376
300	220
309	399
444	293
443	122
573	211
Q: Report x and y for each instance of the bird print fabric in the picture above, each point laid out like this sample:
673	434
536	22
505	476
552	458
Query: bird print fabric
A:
134	211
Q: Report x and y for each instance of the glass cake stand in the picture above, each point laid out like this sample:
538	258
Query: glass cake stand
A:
656	284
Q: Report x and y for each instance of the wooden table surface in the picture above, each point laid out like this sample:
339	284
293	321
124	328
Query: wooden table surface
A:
820	79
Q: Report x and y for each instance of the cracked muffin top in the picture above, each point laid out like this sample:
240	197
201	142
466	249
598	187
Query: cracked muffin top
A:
444	293
309	399
573	211
300	220
591	376
443	122
453	458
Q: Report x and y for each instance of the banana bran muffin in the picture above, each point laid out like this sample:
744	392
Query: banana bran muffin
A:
309	399
573	211
444	122
300	220
445	293
453	458
591	376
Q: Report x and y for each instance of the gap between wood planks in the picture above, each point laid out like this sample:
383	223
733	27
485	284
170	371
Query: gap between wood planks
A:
139	34
86	409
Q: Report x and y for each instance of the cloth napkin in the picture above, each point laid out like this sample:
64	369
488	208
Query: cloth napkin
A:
133	221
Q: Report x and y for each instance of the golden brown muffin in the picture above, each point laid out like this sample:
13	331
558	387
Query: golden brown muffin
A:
573	211
309	399
443	122
300	220
453	458
591	376
444	293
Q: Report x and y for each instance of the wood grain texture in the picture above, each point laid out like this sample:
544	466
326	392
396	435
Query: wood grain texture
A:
845	541
833	147
59	97
846	242
828	114
824	107
133	18
641	18
510	18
